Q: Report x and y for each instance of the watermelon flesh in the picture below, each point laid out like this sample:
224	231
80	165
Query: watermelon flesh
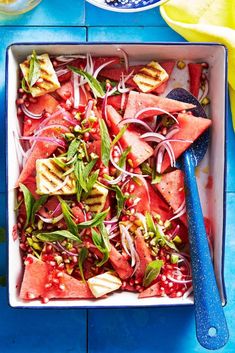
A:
120	264
152	291
138	101
37	275
144	254
195	72
45	103
191	128
171	188
43	149
140	150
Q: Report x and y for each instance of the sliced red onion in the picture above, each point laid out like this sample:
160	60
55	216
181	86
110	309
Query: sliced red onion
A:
19	146
57	209
142	220
53	126
155	109
183	258
180	207
152	136
111	221
179	214
188	292
76	91
126	238
89	108
125	57
121	85
97	71
51	220
135	121
68	58
44	139
180	281
125	171
116	180
113	235
61	185
61	72
70	253
29	113
90	65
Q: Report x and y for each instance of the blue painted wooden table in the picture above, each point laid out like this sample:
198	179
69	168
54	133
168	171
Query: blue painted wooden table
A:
161	330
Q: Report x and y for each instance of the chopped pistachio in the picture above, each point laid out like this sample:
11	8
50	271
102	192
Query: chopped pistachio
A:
177	239
40	224
174	259
181	64
69	136
205	101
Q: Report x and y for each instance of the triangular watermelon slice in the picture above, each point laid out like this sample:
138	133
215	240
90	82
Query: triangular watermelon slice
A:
144	254
118	101
138	101
191	128
43	149
36	276
152	291
140	150
168	66
195	72
171	188
45	103
115	74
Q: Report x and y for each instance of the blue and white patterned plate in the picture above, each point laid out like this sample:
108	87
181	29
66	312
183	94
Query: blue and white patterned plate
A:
127	5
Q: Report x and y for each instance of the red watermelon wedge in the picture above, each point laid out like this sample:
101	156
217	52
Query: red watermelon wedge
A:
140	150
36	276
118	101
195	72
171	188
120	264
45	103
138	101
191	128
144	255
115	74
43	149
168	66
152	291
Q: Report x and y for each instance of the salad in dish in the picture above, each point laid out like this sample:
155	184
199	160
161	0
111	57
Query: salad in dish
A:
100	202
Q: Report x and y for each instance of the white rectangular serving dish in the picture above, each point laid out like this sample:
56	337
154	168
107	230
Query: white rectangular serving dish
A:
213	200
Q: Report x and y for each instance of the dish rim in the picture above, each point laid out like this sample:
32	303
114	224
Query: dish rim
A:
226	101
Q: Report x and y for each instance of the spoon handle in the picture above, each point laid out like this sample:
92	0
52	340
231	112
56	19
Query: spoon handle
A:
211	326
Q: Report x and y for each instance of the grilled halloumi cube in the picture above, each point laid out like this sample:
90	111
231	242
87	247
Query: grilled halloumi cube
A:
47	82
51	178
103	284
150	77
97	198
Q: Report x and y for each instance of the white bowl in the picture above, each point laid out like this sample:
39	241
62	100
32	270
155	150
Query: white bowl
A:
139	5
213	200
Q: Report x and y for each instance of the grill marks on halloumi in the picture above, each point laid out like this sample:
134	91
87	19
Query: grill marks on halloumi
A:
150	77
50	176
48	81
97	198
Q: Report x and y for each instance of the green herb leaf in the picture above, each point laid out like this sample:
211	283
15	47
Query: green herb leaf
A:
34	69
150	223
152	271
24	86
123	157
73	148
105	236
79	174
72	227
82	257
91	181
93	82
105	142
121	198
29	201
36	206
2	235
59	162
3	281
156	179
163	239
119	135
146	169
57	236
101	246
94	222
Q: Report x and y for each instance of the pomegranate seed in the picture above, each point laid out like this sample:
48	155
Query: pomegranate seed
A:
132	187
45	300
55	280
28	261
163	278
31	295
48	285
19	101
132	282
62	287
179	294
60	274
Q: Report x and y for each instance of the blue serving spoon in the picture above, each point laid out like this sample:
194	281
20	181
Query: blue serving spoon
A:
211	327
